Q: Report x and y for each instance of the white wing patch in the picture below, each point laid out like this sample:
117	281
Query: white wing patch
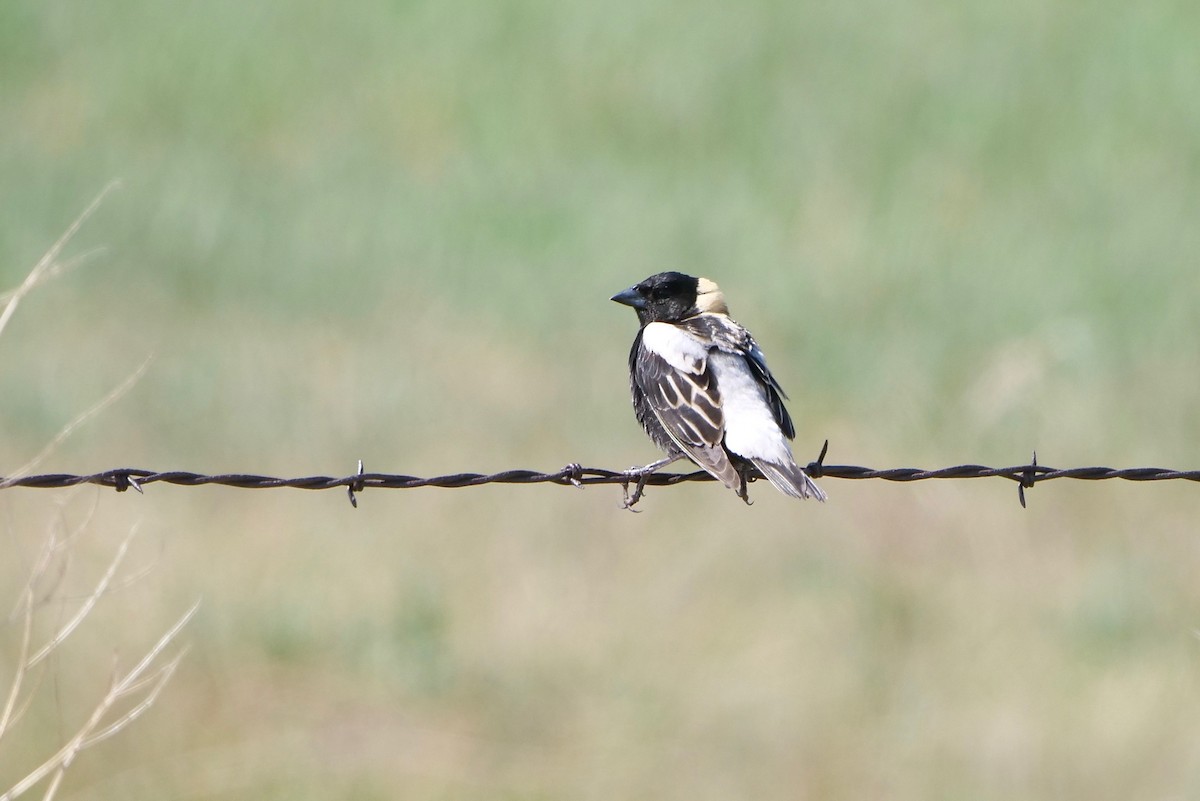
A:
750	427
676	347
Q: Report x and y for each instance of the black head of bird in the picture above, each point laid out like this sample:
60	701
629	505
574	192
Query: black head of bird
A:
670	297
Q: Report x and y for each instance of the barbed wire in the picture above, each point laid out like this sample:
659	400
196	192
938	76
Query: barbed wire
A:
1026	476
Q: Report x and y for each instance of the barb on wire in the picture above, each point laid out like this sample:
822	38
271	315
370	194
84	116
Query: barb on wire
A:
1026	476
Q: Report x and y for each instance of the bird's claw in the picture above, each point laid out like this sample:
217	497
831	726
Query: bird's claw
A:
639	489
743	491
640	473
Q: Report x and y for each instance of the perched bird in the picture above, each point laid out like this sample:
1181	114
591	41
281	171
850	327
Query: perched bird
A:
702	390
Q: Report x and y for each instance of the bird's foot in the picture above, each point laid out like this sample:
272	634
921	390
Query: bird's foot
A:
639	473
629	499
743	491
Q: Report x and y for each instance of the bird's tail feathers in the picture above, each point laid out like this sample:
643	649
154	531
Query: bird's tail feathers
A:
717	464
790	479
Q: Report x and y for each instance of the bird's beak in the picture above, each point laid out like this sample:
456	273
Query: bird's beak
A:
630	297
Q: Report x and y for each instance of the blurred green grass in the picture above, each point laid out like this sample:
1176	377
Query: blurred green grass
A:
389	233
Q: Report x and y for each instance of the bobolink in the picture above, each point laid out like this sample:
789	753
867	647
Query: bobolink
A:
702	390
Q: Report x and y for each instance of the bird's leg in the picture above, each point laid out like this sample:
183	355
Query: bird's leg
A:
743	490
653	467
641	473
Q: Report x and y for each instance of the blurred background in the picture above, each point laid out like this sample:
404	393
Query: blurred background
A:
390	230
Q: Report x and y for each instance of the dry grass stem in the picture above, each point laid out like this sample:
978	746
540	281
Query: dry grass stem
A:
10	713
88	604
70	428
48	266
55	270
95	729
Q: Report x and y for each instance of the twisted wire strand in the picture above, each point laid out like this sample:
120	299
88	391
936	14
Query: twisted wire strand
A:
1026	475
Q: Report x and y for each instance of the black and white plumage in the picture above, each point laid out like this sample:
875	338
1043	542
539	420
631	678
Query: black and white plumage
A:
702	390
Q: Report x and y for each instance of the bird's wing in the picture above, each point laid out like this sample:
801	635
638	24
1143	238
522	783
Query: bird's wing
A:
730	337
672	371
775	394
